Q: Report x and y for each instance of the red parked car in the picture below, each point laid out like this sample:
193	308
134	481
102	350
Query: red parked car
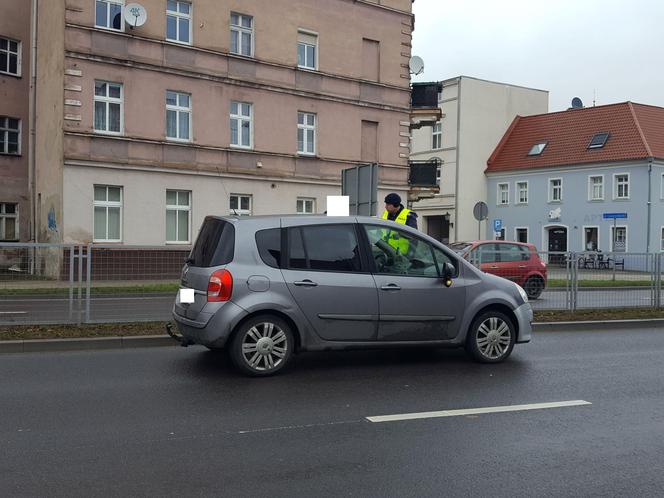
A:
514	261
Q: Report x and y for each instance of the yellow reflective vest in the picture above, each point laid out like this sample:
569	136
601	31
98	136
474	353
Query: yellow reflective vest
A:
392	237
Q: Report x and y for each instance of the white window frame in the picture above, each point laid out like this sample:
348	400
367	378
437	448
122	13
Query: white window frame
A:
439	174
179	111
107	204
499	198
240	29
304	201
661	238
306	32
8	52
552	188
517	193
109	100
583	237
238	210
177	208
437	136
239	117
179	15
612	238
590	188
306	127
516	238
121	3
4	136
3	220
615	187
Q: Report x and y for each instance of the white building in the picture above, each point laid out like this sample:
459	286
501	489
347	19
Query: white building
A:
476	114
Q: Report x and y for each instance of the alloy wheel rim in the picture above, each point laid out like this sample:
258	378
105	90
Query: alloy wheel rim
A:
264	346
493	338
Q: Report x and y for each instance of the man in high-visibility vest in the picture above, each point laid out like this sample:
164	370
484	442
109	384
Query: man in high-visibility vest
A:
395	211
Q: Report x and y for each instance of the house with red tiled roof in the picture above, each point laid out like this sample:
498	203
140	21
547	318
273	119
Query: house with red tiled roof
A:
585	179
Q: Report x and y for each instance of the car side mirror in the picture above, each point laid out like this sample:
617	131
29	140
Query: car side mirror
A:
448	273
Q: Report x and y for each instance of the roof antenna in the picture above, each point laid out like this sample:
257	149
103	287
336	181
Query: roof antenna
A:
594	95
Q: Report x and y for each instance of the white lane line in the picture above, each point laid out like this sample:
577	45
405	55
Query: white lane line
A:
13	312
476	411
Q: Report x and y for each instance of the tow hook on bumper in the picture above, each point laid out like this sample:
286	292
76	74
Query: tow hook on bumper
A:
183	342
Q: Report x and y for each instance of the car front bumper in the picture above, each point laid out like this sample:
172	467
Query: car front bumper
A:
524	317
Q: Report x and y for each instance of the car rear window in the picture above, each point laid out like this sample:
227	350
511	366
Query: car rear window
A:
269	246
215	244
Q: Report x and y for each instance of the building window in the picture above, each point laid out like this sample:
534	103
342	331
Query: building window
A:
10	57
108	14
10	136
178	21
8	221
537	149
596	188
500	235
437	136
521	235
242	34
178	115
619	239
240	204
661	187
178	215
306	133
522	192
555	189
108	107
241	116
621	186
107	213
439	172
591	238
306	206
307	48
661	247
598	141
503	194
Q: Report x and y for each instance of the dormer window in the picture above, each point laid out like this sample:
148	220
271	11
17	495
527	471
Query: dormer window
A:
537	149
598	140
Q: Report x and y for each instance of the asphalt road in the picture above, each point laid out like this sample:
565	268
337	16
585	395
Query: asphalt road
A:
56	309
180	422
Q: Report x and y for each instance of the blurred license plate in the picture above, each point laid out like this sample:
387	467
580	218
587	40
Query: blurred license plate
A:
186	296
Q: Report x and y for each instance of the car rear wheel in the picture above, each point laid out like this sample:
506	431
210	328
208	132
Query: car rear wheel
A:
491	337
262	346
534	287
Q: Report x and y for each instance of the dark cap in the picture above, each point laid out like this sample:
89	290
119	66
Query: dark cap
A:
393	199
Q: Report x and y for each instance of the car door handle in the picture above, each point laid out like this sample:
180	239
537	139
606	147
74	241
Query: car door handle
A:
305	283
390	287
493	267
522	266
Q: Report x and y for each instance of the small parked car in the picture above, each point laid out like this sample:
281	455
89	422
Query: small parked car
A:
267	287
515	261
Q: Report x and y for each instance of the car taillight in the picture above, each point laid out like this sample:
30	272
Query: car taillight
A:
220	286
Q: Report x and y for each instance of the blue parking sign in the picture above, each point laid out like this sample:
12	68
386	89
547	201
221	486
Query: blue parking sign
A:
497	225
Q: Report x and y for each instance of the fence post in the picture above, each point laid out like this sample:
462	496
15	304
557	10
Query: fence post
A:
80	284
575	281
658	280
88	282
71	283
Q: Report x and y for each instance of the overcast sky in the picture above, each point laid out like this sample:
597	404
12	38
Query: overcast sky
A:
568	47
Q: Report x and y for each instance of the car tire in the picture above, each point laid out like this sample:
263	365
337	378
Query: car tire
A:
533	287
262	346
491	337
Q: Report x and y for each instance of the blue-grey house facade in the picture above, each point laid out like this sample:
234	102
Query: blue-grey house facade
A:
581	180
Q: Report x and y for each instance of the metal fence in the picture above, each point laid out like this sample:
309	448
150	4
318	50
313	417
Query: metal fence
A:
60	283
574	281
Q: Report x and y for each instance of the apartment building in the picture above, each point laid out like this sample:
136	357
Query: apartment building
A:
475	115
209	107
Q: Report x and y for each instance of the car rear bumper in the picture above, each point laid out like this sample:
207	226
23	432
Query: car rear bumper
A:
211	329
524	317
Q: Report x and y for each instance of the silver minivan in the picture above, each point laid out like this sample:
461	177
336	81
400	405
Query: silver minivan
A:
266	287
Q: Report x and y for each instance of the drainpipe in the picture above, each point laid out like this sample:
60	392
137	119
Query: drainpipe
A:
649	204
32	169
456	165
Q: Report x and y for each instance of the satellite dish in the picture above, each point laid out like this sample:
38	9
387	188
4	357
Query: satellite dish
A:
135	15
576	103
416	65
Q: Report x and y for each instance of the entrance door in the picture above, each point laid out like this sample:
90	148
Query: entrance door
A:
557	244
438	228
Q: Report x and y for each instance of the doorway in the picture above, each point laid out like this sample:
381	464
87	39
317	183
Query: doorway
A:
438	227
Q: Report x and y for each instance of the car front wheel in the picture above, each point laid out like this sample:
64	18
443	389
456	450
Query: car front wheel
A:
491	337
262	346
